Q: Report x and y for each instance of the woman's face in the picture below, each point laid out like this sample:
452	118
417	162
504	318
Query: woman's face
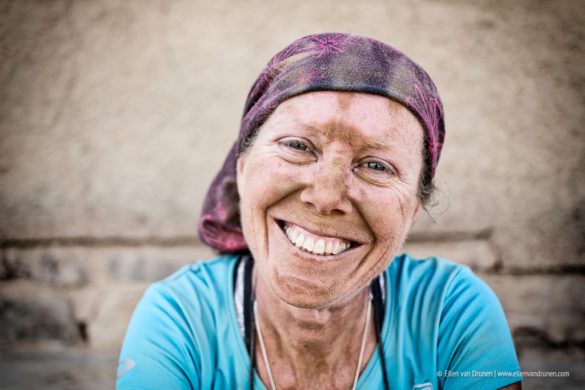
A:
328	193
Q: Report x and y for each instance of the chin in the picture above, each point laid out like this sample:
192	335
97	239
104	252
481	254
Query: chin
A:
303	303
303	294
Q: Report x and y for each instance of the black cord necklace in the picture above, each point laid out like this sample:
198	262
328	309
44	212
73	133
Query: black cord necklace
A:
249	321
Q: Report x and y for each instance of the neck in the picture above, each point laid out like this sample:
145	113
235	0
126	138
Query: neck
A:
310	347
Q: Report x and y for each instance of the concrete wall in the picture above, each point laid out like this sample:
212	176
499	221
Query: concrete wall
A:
115	115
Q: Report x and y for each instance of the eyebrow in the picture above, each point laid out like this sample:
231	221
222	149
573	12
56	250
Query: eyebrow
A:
377	145
370	144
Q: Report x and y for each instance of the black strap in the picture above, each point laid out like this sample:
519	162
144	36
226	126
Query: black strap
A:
249	317
378	321
248	302
378	299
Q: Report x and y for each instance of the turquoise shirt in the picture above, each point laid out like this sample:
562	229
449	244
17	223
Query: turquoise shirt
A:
444	328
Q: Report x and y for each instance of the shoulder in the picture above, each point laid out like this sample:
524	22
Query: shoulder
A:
451	284
442	304
189	298
173	333
432	273
442	292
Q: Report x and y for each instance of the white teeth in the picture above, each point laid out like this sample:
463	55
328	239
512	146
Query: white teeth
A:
336	248
317	246
299	240
308	245
329	248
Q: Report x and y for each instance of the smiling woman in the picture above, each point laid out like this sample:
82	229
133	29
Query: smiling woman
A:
338	147
316	178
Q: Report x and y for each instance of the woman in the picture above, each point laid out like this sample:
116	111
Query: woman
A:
336	156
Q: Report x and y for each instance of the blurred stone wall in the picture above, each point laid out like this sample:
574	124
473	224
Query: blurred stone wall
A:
115	115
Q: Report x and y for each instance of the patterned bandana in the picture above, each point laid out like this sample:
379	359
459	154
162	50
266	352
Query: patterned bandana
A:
322	62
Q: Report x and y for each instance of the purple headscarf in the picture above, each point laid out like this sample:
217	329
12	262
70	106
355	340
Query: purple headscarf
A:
321	62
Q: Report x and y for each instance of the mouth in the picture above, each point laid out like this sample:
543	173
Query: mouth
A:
315	244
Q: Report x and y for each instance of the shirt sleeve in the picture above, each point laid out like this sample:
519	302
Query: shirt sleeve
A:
158	351
476	350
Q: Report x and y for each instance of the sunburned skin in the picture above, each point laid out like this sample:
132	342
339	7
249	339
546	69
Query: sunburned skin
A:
327	190
339	165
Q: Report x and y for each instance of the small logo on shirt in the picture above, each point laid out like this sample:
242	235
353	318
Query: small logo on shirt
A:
124	366
423	386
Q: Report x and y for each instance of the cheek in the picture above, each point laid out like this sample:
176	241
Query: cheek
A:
388	212
267	181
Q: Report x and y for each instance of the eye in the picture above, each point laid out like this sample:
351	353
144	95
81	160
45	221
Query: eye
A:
297	150
296	144
375	171
375	165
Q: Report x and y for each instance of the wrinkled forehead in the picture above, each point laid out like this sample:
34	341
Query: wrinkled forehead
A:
333	114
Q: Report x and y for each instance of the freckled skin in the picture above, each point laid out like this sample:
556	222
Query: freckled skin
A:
273	183
312	311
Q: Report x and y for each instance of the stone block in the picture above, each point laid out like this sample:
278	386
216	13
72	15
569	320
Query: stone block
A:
547	365
110	309
3	269
59	266
32	314
69	369
151	263
553	305
475	253
76	266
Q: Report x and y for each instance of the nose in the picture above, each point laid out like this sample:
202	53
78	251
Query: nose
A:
328	192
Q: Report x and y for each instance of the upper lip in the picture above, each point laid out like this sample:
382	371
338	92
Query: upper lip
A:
327	232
